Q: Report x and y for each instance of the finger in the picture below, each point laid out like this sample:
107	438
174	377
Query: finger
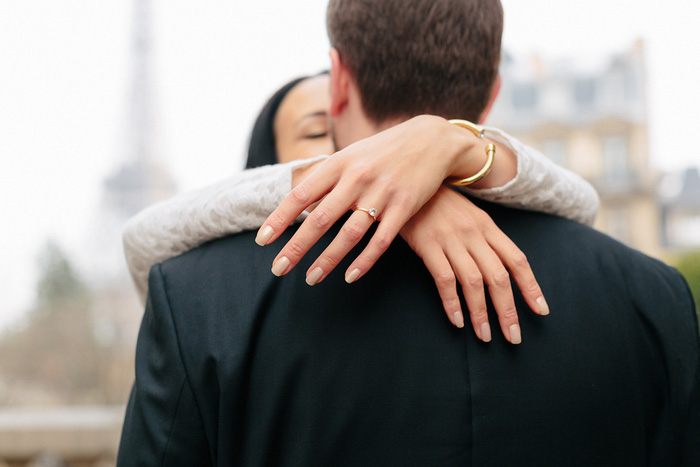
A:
439	267
309	191
311	230
391	223
516	262
472	283
350	234
497	280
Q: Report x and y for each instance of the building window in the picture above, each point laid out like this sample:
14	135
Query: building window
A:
684	230
525	96
614	92
615	157
632	87
585	93
555	149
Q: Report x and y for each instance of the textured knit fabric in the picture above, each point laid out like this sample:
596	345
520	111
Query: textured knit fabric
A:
541	185
243	202
169	228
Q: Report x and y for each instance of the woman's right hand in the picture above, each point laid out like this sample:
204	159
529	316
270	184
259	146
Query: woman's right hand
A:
460	243
396	172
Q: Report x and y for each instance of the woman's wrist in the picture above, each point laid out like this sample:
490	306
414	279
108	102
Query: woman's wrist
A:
471	157
450	145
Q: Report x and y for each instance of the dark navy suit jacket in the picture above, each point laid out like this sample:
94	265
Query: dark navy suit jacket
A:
236	367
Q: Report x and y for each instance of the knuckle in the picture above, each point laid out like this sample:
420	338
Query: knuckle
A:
509	314
475	280
353	232
382	240
501	278
329	262
479	314
276	220
320	218
362	174
519	260
482	218
451	304
533	289
445	278
365	262
300	195
467	226
294	249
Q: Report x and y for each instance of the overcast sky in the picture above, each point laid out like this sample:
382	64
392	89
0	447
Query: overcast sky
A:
64	82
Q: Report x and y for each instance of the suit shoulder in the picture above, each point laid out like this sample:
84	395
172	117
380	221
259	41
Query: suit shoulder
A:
229	265
240	246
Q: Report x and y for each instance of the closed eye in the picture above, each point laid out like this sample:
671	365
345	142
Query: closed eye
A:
316	135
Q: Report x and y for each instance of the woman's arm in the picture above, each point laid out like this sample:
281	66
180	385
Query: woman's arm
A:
398	170
540	185
169	228
244	200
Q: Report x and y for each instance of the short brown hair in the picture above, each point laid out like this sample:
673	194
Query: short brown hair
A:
410	57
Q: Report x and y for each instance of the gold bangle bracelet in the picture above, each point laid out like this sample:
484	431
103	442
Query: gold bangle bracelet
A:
476	129
490	152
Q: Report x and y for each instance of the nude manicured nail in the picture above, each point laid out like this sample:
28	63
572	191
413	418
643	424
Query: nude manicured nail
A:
459	319
315	276
544	308
515	337
264	235
352	277
486	332
280	266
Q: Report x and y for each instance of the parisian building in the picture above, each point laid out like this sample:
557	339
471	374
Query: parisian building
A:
590	117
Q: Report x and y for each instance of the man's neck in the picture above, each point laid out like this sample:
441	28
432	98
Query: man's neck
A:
357	127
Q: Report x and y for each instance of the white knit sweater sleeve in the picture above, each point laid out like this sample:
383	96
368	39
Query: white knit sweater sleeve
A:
244	201
541	185
169	228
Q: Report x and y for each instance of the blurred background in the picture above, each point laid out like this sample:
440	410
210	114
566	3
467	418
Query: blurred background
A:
107	107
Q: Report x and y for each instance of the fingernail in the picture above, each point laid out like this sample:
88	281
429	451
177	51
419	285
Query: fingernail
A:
459	319
544	308
515	337
314	277
486	332
280	266
352	277
264	235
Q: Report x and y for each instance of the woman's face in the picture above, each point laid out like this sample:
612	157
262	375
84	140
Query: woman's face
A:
301	125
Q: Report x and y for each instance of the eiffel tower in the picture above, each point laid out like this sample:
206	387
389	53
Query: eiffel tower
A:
140	180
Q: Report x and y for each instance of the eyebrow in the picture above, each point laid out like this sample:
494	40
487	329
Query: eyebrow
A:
320	113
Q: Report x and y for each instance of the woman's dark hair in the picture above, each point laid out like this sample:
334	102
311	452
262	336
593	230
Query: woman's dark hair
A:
261	148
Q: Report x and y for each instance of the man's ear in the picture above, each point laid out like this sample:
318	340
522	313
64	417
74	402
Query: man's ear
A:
495	89
340	80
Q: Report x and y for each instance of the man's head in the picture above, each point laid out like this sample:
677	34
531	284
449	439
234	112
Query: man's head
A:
403	58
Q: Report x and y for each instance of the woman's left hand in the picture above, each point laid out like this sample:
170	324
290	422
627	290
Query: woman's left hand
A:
462	246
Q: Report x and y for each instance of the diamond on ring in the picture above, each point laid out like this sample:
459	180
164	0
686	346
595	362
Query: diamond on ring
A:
372	212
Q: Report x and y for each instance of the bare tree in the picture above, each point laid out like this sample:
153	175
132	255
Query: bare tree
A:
54	358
